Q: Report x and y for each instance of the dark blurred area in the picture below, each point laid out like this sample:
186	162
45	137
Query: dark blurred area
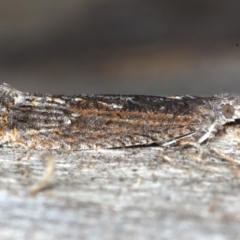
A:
138	47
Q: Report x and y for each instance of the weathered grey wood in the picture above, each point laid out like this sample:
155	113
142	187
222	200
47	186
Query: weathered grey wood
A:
131	193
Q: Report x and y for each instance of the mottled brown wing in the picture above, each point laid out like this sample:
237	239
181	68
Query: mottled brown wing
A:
104	121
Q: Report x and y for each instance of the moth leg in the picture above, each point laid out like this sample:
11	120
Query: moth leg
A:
174	140
207	134
192	144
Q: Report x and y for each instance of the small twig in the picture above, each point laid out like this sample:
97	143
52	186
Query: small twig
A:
138	183
195	158
235	172
46	176
225	156
164	157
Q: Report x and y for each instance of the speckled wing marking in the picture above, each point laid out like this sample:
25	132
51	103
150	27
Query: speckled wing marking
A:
108	121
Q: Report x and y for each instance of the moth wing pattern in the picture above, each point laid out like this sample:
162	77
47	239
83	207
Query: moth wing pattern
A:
76	122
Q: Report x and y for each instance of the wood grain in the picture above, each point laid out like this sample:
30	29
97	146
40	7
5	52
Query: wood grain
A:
133	193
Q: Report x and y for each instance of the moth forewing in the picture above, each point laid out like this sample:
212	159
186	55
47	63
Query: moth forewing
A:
44	121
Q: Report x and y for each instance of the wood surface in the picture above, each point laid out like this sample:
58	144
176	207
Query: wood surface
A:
132	193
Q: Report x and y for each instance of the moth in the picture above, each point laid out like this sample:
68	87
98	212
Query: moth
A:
76	122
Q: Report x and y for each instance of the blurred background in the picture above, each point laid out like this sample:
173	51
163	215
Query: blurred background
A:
130	47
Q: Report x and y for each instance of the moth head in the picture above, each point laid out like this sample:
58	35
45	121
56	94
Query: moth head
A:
230	107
